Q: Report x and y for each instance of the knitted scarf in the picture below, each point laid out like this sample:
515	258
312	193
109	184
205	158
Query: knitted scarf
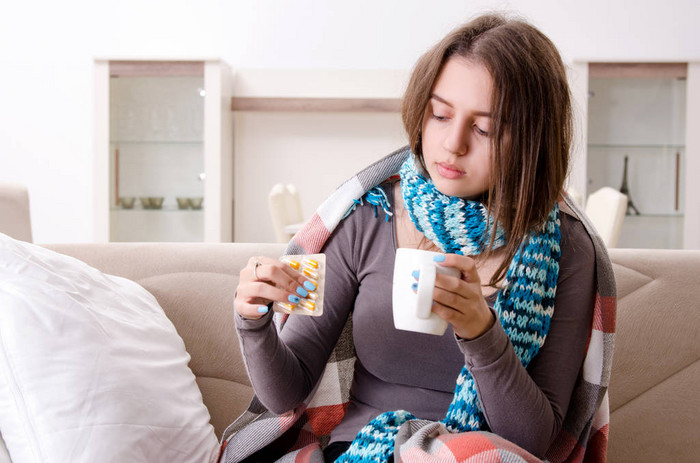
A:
524	306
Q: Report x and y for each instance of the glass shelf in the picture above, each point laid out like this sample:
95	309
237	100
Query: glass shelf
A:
654	216
162	209
156	142
639	146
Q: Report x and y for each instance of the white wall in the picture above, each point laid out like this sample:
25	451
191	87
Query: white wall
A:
47	49
316	152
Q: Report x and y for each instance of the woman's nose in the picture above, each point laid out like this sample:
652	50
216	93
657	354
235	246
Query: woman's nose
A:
457	140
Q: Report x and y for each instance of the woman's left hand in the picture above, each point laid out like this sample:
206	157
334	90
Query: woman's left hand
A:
459	300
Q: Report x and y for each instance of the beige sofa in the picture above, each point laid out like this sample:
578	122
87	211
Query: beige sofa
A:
654	393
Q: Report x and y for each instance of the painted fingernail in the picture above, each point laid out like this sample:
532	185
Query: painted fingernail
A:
414	286
262	309
310	286
302	292
416	274
293	299
439	258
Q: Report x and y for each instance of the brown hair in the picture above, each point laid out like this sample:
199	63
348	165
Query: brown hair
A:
531	126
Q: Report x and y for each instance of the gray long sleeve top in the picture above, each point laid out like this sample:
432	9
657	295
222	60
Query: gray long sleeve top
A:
402	370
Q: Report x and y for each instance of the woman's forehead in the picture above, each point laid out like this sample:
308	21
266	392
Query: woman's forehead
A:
464	85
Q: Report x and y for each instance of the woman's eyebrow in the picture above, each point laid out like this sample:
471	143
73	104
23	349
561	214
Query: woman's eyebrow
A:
444	101
441	100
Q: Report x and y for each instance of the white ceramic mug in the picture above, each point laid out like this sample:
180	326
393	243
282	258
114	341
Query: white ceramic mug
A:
413	309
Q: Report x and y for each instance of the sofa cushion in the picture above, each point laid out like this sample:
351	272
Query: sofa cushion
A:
654	400
91	369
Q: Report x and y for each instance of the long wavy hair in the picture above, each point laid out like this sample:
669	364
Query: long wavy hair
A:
531	112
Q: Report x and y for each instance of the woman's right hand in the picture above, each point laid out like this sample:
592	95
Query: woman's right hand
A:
265	280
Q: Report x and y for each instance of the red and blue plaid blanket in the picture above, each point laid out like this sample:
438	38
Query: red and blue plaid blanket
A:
299	435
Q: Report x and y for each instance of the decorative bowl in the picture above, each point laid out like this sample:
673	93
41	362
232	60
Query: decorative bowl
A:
156	202
196	203
183	203
127	202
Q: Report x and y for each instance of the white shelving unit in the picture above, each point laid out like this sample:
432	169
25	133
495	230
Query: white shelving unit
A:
645	112
163	129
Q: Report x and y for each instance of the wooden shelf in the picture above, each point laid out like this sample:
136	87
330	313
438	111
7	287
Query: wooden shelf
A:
638	70
382	105
156	68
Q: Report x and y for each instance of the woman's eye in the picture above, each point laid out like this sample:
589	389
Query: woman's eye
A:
439	118
481	132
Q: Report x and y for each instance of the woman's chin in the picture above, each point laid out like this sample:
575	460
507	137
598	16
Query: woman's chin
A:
449	188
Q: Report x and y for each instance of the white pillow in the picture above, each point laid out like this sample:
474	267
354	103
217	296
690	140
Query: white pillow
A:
91	369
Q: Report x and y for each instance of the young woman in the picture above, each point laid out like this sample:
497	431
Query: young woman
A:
488	116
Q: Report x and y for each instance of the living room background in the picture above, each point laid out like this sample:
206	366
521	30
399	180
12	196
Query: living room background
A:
47	52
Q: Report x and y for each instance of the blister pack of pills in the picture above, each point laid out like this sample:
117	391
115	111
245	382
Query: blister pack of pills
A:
313	267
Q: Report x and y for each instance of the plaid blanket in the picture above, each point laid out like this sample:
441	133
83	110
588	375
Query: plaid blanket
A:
299	435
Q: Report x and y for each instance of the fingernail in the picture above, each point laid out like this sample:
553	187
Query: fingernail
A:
262	309
310	286
294	299
302	292
414	286
439	258
416	274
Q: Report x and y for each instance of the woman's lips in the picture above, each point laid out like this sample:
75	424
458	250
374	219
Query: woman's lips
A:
449	171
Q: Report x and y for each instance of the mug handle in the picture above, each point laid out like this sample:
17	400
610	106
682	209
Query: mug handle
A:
426	283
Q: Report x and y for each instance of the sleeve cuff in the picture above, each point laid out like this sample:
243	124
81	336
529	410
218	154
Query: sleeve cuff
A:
487	348
247	324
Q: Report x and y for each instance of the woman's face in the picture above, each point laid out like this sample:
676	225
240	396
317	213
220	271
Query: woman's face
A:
456	129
